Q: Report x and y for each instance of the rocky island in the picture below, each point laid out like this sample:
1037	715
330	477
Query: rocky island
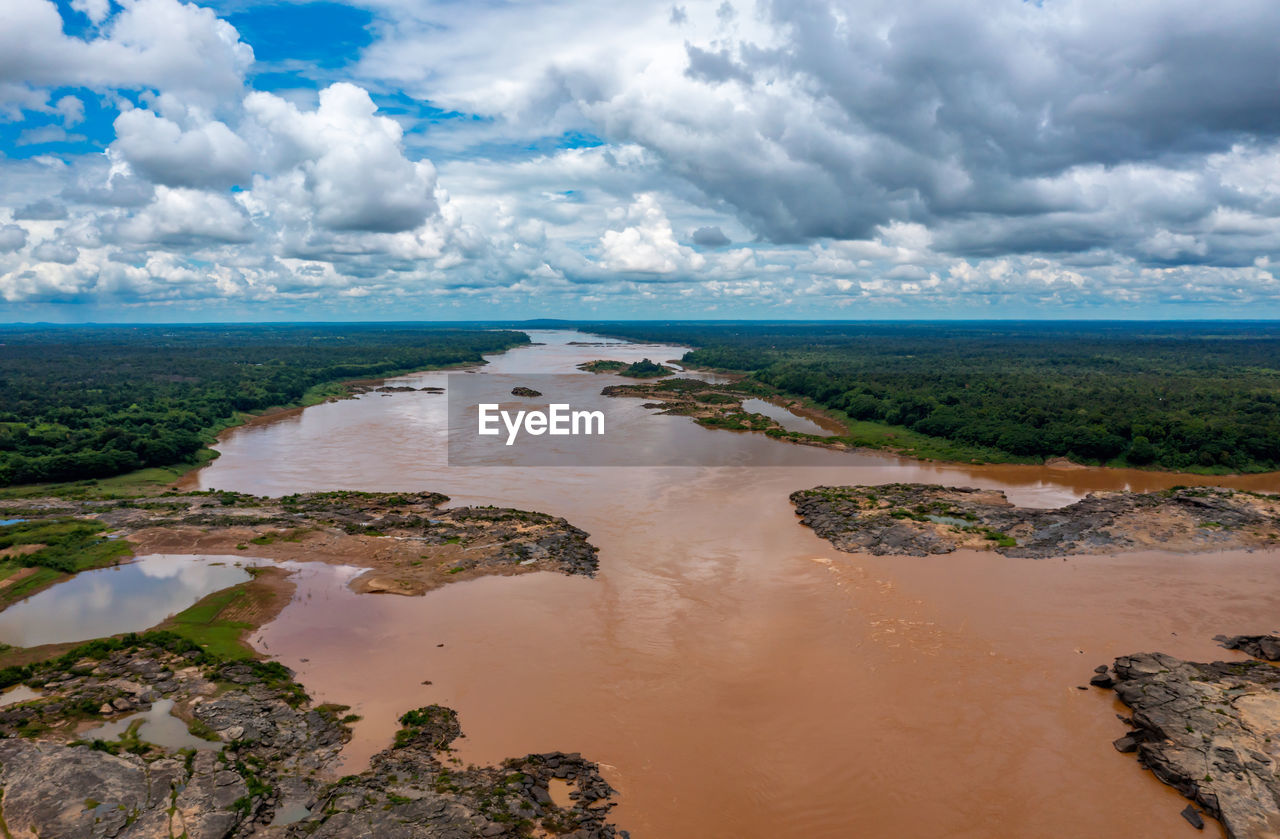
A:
921	519
409	541
717	406
1211	731
643	369
256	759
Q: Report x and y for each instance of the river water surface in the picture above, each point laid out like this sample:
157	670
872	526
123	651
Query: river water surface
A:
734	674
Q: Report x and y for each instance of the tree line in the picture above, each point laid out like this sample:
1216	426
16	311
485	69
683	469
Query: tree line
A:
95	401
1177	395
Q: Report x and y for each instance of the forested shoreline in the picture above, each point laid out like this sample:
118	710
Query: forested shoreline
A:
82	402
1199	396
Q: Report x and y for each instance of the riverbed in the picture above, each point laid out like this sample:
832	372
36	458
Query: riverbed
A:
734	674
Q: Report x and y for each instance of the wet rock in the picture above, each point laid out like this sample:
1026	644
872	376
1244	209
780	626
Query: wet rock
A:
1211	731
1101	680
524	391
275	748
1265	647
1192	815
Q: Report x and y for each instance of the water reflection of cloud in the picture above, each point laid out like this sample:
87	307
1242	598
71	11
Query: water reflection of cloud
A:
108	601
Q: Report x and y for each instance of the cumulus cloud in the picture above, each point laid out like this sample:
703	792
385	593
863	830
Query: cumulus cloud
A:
709	237
647	244
159	44
349	161
12	237
861	153
207	154
46	209
62	253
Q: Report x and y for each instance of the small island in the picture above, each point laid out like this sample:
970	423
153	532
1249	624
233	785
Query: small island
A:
923	519
643	369
719	406
525	391
409	541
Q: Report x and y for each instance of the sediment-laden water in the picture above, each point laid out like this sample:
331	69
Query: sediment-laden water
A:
736	675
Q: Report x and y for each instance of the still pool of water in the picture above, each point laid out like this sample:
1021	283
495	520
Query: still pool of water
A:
20	693
124	598
6	522
158	726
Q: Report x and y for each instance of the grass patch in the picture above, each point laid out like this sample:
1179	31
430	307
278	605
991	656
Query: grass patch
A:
68	546
216	622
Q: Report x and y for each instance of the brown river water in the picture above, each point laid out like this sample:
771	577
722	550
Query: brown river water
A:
734	675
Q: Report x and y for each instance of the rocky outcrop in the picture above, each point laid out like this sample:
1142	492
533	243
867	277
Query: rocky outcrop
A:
922	519
1265	647
1211	731
408	793
264	770
410	541
525	391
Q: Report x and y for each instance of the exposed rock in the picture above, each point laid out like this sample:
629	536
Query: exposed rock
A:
408	792
718	405
1265	647
922	519
1211	731
525	391
410	540
275	748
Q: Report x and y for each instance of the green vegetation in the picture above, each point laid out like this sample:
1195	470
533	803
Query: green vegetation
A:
212	622
643	369
54	548
602	366
1199	397
91	402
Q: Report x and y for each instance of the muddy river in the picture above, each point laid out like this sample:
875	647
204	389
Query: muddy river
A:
735	675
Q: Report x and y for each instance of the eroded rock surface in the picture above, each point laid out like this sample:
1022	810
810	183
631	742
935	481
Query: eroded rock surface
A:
266	769
1211	731
1265	647
411	542
923	519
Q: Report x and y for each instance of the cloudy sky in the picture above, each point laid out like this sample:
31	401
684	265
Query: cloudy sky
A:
415	159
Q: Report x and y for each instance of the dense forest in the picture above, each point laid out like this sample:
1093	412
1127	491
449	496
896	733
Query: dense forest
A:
93	401
1177	395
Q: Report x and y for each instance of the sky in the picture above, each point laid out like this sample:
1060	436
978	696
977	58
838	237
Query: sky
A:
492	159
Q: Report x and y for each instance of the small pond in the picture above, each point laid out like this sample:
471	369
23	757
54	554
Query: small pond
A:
18	693
157	725
124	598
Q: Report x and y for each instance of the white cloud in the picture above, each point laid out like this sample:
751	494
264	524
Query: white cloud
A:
207	154
354	174
647	244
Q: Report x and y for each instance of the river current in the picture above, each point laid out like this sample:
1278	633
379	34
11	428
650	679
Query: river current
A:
734	675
